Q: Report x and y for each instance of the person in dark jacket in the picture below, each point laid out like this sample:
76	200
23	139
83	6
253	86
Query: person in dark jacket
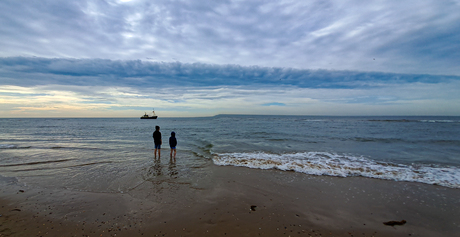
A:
157	141
173	144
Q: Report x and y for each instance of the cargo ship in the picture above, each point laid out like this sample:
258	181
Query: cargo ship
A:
146	116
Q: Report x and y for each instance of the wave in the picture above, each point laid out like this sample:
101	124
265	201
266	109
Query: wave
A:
53	147
331	164
439	121
417	120
37	163
382	140
10	146
34	168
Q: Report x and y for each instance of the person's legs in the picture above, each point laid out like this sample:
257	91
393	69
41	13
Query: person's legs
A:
172	156
157	149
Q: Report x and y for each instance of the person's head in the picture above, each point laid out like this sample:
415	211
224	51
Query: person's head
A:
173	134
157	128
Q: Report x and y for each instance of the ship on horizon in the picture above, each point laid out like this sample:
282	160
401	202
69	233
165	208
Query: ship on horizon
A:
146	116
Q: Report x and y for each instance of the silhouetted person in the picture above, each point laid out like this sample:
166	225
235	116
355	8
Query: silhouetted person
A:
173	144
157	141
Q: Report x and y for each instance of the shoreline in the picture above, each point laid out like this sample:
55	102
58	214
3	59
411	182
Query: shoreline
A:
220	205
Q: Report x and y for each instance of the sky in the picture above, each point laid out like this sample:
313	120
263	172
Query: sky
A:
121	58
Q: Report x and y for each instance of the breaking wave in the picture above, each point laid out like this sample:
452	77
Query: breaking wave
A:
331	164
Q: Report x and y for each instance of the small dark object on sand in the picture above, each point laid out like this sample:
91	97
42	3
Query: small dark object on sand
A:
393	223
253	208
21	191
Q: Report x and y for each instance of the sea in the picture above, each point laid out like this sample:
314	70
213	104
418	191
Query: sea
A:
117	154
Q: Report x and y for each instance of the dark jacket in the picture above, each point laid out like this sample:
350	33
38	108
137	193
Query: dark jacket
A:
172	140
157	137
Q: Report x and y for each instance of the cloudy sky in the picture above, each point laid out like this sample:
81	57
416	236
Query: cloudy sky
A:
121	58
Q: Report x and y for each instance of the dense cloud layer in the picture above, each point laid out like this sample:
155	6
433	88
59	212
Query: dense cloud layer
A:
97	72
414	36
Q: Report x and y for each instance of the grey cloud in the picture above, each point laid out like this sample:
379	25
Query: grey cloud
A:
136	73
403	37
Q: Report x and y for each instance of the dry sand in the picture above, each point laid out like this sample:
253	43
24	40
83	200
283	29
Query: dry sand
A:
283	204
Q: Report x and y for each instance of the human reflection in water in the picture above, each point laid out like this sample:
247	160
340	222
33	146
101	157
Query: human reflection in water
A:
156	169
172	169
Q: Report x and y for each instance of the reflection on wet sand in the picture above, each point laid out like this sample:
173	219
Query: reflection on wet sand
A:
156	170
172	169
161	182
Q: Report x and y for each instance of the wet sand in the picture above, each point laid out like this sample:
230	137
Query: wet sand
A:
234	201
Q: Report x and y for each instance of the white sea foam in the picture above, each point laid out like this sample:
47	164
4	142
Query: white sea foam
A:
324	163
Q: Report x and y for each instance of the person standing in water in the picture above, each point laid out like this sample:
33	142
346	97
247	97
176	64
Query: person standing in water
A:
173	144
157	141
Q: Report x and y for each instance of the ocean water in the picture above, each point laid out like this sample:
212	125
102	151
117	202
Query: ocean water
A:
116	154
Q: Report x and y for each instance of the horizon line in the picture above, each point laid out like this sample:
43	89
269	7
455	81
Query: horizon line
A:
271	115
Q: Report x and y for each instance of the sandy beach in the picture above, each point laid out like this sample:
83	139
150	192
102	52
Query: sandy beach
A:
234	201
